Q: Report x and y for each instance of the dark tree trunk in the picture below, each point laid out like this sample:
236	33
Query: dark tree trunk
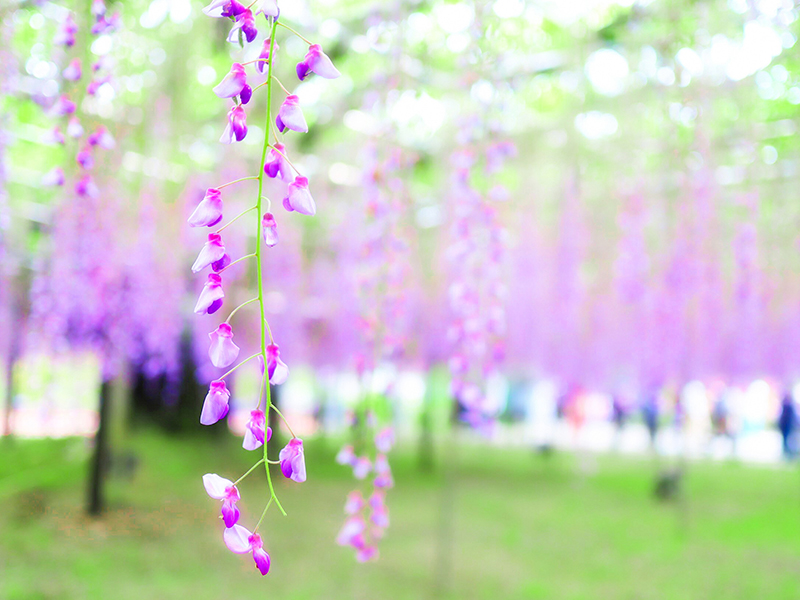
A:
96	499
274	421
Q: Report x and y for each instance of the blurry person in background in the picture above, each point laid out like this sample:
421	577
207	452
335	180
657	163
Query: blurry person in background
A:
619	414
787	423
650	414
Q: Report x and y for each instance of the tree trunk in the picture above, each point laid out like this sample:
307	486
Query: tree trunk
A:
96	499
274	421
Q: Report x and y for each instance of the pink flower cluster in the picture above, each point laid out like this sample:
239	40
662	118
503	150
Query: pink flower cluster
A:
367	519
65	107
476	291
239	87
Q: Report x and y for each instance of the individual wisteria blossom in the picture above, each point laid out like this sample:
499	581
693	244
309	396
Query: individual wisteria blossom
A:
54	176
212	252
240	540
276	163
346	456
318	62
209	212
256	431
298	198
290	116
54	136
277	370
223	489
222	350
73	71
293	462
236	128
216	404
233	83
269	228
65	36
102	138
86	186
210	299
63	106
74	128
84	157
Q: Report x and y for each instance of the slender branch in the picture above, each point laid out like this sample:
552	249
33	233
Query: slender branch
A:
255	60
278	81
259	262
249	358
253	468
269	331
296	33
219	187
242	305
261	390
245	257
286	422
263	514
236	218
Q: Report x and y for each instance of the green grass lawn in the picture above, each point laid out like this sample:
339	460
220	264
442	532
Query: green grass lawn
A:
494	524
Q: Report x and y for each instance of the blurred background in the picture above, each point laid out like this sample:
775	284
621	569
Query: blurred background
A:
578	216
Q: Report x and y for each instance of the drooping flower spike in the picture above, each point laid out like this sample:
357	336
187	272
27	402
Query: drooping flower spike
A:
241	540
223	489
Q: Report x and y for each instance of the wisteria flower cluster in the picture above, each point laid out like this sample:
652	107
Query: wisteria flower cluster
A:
381	278
476	292
239	87
67	105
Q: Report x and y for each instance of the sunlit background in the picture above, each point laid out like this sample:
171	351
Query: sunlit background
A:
636	340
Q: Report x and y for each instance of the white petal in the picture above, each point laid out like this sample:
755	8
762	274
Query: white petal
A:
237	539
215	485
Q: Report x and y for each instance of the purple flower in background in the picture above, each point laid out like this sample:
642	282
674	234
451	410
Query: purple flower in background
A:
213	250
346	456
261	66
384	440
290	116
293	462
73	70
299	198
361	467
98	8
317	61
84	157
65	36
383	473
63	106
223	489
215	406
270	229
237	126
54	176
240	540
352	533
101	137
256	431
54	136
277	369
355	502
210	299
74	128
233	83
222	350
276	163
209	212
367	553
86	187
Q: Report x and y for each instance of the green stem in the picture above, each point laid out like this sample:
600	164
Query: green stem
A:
253	468
280	414
259	262
287	160
294	32
234	219
278	81
242	305
249	358
263	514
224	185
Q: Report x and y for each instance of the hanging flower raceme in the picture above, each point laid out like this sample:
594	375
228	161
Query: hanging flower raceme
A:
222	351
